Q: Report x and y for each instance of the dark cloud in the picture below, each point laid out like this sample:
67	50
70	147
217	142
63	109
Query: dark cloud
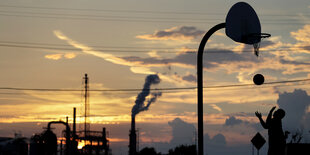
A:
218	139
292	62
175	33
182	132
306	48
184	30
266	43
215	145
189	59
231	121
190	78
295	105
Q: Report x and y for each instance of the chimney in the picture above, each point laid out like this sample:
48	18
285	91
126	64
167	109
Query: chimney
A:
133	137
74	123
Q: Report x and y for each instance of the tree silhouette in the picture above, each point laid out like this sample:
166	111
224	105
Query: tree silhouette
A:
148	151
183	150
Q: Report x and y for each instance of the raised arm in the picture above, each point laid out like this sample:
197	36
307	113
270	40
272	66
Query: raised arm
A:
262	122
268	120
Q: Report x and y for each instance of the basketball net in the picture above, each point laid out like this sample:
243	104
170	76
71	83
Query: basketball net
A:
256	48
257	45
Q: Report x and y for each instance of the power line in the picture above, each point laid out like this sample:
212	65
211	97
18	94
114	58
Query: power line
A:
75	49
225	87
135	11
105	19
102	10
95	16
115	47
132	50
154	89
128	19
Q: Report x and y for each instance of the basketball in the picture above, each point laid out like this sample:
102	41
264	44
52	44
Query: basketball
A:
258	79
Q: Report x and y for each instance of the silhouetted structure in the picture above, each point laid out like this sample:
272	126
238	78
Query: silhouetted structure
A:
148	151
276	137
139	107
95	141
297	149
43	144
86	105
46	143
13	146
133	137
183	150
242	25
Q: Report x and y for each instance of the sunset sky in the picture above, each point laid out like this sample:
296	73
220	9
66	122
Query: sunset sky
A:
52	44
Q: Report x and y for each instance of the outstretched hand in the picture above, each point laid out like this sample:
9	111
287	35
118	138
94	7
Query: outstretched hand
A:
258	114
272	109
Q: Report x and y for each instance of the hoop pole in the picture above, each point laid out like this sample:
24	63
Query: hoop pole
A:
200	83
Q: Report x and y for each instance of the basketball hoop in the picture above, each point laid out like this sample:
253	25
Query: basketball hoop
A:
256	38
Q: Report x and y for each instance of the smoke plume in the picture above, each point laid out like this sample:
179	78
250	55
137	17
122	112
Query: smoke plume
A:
139	103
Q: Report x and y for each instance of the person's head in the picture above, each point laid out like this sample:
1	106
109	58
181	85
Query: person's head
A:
279	114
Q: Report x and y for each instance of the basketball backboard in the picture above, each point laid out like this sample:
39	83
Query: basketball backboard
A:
242	24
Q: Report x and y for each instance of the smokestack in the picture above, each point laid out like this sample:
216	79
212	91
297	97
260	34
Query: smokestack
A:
133	123
139	106
133	138
74	123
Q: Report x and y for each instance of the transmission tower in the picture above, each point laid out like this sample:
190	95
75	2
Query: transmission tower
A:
86	105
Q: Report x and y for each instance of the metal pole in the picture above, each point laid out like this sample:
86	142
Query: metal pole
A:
200	83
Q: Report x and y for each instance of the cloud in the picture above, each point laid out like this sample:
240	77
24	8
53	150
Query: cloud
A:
53	56
174	33
224	59
218	139
141	65
60	56
108	57
295	105
302	35
214	106
182	132
189	59
70	55
215	145
231	121
303	38
153	54
190	78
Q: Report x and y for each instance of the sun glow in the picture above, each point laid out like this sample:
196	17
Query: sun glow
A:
81	144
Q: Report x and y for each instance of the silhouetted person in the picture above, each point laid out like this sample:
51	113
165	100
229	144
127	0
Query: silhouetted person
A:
276	137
